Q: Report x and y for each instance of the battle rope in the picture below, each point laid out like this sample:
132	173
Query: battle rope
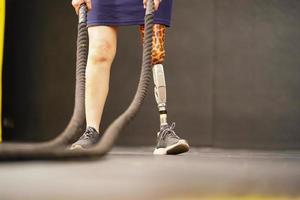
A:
56	149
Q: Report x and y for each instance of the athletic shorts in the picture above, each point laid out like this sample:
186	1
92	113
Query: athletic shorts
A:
126	12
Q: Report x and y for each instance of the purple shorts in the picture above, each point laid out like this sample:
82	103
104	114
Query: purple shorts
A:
126	12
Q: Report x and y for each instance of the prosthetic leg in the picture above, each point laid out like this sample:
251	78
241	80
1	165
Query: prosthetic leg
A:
158	56
168	141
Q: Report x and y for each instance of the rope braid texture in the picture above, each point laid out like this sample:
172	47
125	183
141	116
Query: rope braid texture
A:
56	148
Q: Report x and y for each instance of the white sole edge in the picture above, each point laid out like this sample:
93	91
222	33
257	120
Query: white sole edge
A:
180	147
76	147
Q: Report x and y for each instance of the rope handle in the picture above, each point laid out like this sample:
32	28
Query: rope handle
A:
82	16
150	7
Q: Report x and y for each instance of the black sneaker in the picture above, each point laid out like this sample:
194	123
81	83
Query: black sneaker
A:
88	139
169	143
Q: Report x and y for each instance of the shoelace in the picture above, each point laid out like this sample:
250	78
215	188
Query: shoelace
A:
87	134
169	131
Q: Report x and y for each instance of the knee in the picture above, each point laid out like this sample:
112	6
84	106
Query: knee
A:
101	52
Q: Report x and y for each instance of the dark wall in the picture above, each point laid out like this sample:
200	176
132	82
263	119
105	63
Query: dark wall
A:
232	71
257	73
39	64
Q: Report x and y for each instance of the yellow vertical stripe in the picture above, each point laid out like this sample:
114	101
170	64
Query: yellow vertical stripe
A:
2	25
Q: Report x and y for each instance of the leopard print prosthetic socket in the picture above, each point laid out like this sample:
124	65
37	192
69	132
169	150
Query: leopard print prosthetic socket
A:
159	36
158	56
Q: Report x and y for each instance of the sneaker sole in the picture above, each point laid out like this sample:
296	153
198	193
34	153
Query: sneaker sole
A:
180	147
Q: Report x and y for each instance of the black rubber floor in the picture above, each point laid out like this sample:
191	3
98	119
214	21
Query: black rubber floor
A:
134	173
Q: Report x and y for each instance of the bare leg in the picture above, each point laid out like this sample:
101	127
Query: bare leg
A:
102	50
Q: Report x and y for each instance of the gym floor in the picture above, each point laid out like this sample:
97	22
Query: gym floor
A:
134	173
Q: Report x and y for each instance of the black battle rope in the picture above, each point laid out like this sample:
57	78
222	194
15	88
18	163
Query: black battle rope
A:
56	149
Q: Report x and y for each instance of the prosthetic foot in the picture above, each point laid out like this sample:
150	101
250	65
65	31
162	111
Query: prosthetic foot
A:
167	140
169	143
88	139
